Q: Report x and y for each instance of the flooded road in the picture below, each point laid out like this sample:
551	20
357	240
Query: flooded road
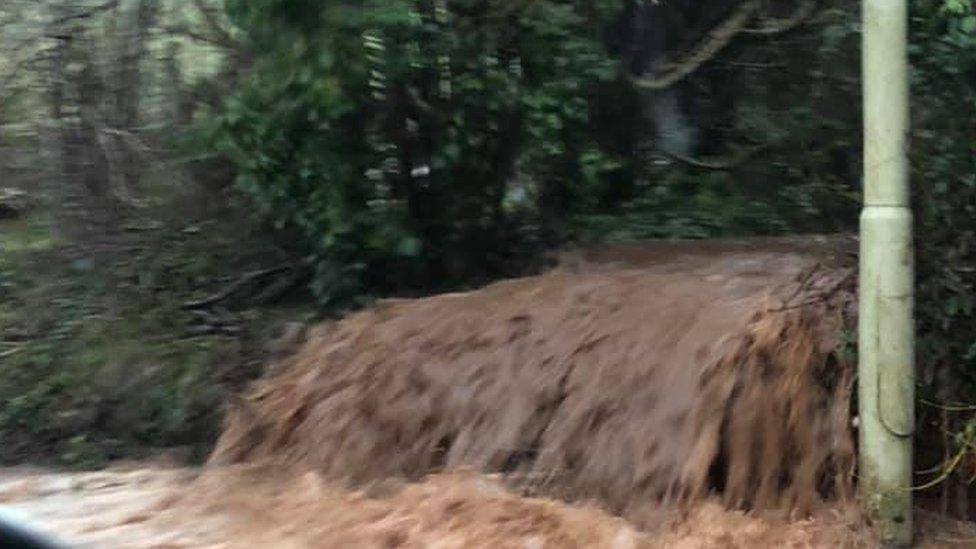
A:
159	507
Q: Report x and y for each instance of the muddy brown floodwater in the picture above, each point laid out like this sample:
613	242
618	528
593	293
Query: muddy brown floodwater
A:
150	506
258	507
684	395
643	378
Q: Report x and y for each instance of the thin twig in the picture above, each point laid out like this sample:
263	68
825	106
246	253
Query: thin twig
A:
818	298
237	285
91	12
949	407
12	351
779	26
804	282
956	540
200	37
725	165
945	472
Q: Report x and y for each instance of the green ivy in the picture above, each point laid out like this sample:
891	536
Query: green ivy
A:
943	51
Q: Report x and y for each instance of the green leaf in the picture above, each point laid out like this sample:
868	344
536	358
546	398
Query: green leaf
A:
968	24
410	247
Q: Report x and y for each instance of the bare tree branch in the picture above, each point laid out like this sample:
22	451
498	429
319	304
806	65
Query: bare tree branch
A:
710	46
223	35
777	26
201	37
86	14
724	165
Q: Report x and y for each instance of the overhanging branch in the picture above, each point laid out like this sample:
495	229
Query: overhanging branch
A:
731	163
709	47
777	26
720	37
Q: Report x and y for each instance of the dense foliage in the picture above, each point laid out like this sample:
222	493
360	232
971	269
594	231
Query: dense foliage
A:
944	149
447	141
944	160
402	139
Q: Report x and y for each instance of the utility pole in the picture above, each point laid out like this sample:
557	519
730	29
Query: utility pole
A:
886	334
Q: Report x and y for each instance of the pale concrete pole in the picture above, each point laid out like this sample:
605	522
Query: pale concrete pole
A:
886	340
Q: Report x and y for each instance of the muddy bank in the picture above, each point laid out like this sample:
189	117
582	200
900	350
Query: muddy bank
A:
634	379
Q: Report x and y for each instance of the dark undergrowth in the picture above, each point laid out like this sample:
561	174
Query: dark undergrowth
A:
100	355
